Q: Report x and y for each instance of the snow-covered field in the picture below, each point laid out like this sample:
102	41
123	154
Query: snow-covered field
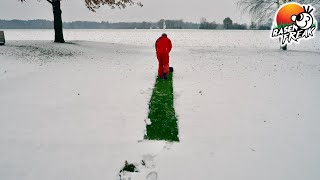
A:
77	111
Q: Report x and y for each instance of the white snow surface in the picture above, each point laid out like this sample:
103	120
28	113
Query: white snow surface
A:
77	111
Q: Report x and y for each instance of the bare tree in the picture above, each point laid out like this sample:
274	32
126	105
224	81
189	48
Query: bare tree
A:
92	5
262	10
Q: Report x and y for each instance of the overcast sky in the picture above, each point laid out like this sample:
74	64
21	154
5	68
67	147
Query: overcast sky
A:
153	10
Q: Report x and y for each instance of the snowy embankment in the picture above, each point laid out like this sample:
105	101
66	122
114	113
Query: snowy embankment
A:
246	110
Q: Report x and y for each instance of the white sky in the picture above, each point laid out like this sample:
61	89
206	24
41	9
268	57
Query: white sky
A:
153	10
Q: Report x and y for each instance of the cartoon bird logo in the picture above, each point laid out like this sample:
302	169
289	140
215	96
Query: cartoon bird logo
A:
304	20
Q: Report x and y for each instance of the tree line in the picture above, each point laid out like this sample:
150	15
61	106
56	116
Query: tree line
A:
170	24
46	24
227	24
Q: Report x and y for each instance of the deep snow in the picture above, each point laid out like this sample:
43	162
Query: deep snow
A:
246	110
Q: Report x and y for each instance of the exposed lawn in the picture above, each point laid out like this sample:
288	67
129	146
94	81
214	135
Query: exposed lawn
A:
161	112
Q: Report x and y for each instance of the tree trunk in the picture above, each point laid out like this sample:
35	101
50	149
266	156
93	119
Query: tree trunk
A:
285	46
57	21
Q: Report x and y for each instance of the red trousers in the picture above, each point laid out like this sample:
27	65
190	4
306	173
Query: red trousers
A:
163	60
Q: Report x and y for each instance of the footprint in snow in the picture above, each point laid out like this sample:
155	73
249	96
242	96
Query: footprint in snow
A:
168	146
152	176
148	161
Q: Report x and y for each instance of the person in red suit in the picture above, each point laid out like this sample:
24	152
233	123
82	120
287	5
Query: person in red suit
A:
163	48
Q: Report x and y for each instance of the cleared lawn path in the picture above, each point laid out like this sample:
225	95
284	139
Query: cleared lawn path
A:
161	112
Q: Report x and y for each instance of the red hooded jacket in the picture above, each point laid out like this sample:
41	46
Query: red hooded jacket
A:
163	45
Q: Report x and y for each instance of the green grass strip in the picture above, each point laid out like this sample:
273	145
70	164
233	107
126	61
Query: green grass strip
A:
161	112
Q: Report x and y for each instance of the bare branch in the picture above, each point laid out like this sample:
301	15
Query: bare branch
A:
262	10
93	5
